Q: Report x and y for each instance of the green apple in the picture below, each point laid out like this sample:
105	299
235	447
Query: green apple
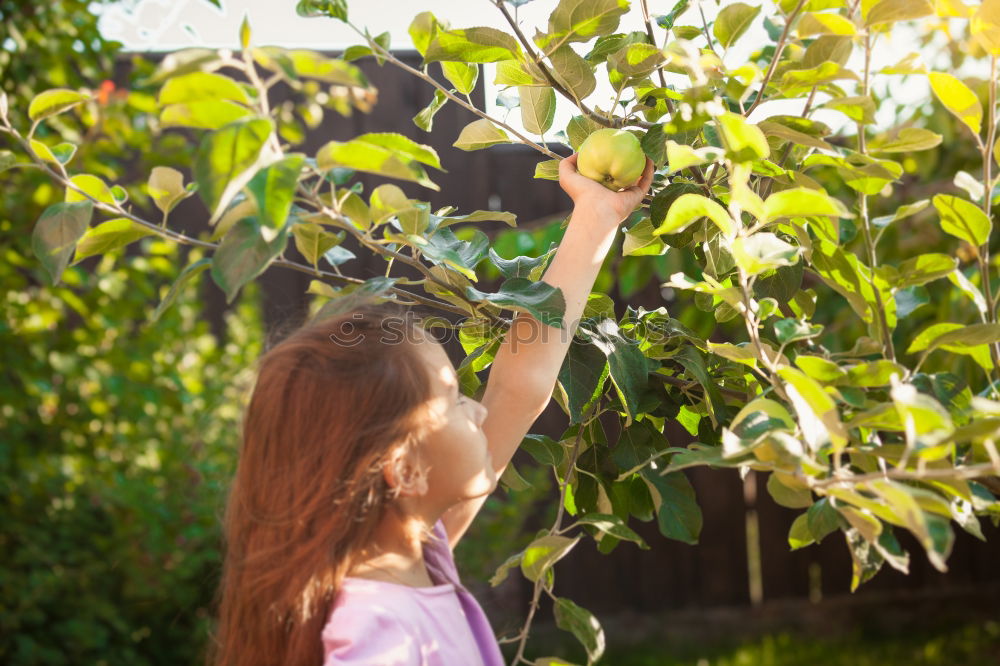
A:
612	157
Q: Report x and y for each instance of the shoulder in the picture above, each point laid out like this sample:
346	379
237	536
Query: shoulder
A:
365	629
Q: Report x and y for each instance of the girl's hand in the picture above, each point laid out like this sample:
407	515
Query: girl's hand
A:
590	194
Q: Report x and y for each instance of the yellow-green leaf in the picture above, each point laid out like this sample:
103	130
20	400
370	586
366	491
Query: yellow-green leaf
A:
963	219
985	26
689	208
51	102
959	99
538	108
108	236
90	185
733	21
821	23
802	202
480	134
744	142
166	187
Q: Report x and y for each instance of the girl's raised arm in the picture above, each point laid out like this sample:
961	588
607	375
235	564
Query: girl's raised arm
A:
527	363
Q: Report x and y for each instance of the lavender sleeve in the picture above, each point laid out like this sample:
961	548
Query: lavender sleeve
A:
441	566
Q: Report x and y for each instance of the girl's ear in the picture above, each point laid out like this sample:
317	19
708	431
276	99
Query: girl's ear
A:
403	473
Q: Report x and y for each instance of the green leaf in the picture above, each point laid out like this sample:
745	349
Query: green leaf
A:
582	20
388	201
574	73
802	202
199	87
858	109
273	188
890	11
822	519
472	45
874	373
677	511
799	536
166	187
243	255
538	108
226	161
542	553
904	140
480	134
63	152
313	65
925	268
955	337
609	44
203	114
425	119
821	23
819	419
743	141
635	60
901	213
541	300
582	375
547	169
732	22
461	75
958	98
545	450
346	299
516	267
792	330
626	363
515	73
963	219
866	561
108	236
500	575
91	186
689	208
479	216
190	271
819	368
763	251
582	624
422	29
641	240
443	247
578	129
612	525
312	240
383	153
56	233
245	32
336	9
786	496
681	157
51	102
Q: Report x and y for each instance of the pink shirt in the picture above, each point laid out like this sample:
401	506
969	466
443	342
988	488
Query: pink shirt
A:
379	623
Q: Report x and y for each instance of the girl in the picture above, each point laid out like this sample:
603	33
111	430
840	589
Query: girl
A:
362	465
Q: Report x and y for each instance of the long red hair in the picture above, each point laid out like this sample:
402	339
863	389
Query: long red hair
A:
330	402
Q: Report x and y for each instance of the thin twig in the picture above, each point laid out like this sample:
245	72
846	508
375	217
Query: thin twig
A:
777	56
522	637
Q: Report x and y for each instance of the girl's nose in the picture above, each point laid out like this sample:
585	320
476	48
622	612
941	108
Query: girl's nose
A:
482	413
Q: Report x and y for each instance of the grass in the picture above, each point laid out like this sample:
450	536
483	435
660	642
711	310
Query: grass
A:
974	644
